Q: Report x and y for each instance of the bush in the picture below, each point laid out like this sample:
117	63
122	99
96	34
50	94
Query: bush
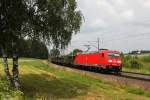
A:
126	61
135	64
131	62
146	58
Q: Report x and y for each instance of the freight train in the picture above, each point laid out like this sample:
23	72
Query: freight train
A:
104	60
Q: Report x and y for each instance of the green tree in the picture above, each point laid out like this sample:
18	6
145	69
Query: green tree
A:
70	57
49	21
54	53
32	49
75	51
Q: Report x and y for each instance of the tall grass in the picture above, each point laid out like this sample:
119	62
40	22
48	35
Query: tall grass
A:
138	91
41	81
9	93
145	58
132	62
136	63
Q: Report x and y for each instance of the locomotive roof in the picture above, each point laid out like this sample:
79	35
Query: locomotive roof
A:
110	51
101	50
89	52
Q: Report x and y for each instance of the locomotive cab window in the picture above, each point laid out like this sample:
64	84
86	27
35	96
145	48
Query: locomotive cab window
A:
115	55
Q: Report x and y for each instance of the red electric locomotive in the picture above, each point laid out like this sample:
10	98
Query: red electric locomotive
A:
107	60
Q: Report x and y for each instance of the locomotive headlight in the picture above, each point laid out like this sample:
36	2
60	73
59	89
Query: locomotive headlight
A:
118	61
110	61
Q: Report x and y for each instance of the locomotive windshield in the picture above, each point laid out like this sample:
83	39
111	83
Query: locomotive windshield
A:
115	55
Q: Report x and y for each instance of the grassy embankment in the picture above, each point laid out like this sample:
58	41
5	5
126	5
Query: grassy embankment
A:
40	81
137	63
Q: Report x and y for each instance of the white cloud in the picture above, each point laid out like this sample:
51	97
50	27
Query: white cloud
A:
128	15
97	23
110	19
147	3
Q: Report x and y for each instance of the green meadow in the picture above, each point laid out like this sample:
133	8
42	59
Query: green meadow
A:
42	81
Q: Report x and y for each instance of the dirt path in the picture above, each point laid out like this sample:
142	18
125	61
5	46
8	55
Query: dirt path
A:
107	77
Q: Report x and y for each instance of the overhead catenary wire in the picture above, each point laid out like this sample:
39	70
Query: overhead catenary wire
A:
109	41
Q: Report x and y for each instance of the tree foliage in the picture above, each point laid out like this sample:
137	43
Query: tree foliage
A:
75	51
31	49
70	57
54	53
51	21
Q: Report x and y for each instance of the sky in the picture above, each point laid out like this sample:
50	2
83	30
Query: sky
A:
122	25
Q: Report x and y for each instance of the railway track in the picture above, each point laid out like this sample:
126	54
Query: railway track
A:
139	76
124	74
127	78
